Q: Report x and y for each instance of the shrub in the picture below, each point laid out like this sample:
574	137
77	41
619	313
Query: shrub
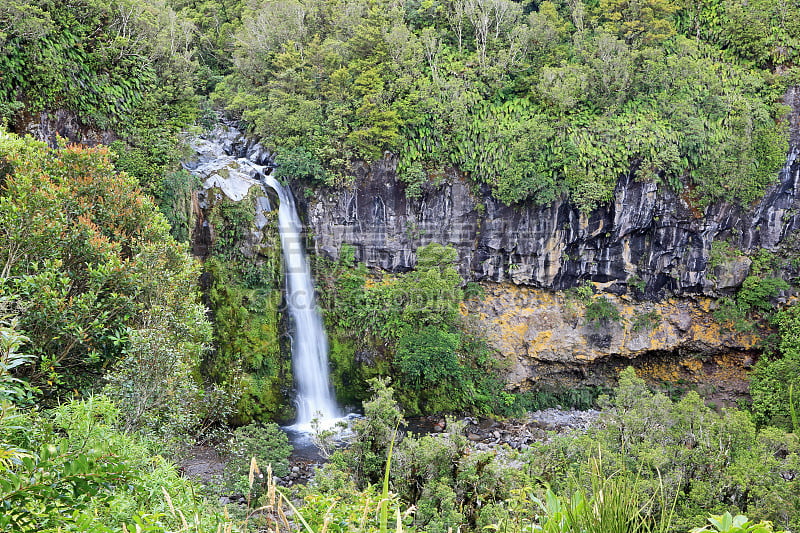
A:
300	164
637	283
646	321
776	374
581	293
601	311
176	202
86	475
268	444
757	292
704	461
474	291
733	314
366	457
12	390
90	253
428	358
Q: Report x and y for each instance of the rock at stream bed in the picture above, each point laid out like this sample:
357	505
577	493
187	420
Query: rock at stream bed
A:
203	464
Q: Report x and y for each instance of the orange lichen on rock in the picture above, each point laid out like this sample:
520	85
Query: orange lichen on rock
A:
533	328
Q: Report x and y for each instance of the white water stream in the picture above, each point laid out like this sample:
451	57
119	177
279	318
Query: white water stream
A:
315	399
227	161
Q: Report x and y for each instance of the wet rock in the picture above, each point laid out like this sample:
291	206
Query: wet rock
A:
230	166
732	272
646	235
560	420
203	463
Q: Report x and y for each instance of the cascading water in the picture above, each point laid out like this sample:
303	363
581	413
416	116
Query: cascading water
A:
309	344
231	164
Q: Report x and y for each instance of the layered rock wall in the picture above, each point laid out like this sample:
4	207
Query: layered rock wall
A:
543	337
646	234
649	250
47	126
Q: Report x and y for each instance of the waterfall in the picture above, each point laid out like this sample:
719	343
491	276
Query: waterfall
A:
309	344
229	162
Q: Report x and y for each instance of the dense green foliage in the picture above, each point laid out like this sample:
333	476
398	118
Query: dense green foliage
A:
410	327
646	457
175	202
62	469
12	389
775	385
94	291
76	471
90	269
531	98
600	311
649	462
122	66
754	301
704	460
244	295
268	445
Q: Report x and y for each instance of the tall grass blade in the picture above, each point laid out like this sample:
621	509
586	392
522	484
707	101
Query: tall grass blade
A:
384	505
307	527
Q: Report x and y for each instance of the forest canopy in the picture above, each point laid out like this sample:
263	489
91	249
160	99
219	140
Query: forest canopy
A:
531	99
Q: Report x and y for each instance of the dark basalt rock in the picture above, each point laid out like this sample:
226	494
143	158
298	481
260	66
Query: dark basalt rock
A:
48	125
647	233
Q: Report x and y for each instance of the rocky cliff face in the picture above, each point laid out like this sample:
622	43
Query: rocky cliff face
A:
646	234
229	165
544	338
47	125
650	248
